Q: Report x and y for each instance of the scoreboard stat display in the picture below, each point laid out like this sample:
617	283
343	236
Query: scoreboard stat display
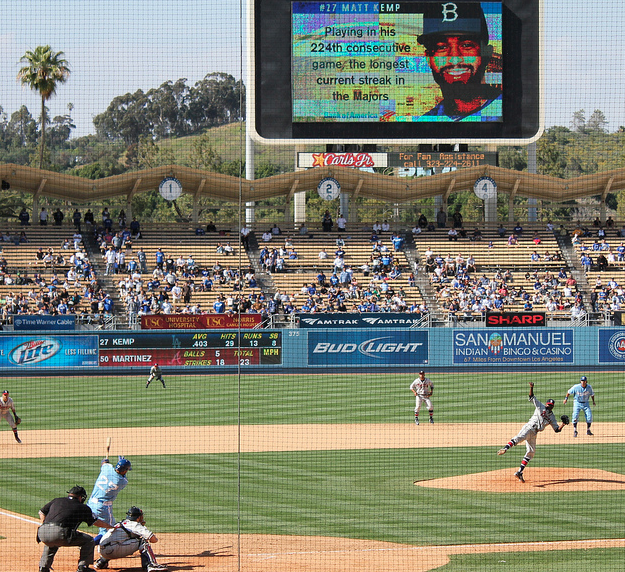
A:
191	349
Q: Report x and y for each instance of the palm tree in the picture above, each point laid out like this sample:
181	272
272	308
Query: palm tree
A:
44	69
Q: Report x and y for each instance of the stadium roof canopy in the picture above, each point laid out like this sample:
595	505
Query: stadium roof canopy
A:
200	183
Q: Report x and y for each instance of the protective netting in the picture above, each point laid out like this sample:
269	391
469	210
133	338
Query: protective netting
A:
246	322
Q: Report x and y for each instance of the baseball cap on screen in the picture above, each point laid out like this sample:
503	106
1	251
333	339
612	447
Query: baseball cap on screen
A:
550	402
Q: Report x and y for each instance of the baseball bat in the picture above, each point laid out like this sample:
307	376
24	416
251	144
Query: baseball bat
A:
108	446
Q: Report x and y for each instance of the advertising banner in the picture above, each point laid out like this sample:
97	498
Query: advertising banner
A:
368	320
612	346
361	348
515	319
199	321
37	322
48	351
528	347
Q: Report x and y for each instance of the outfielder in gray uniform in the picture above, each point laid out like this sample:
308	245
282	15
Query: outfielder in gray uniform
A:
126	538
423	388
543	416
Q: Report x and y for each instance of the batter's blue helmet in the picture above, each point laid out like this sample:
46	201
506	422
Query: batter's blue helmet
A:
123	465
584	378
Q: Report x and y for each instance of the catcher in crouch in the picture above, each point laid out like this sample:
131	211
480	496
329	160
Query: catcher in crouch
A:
543	416
126	538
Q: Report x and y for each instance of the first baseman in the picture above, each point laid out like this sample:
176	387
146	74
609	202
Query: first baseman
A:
581	393
423	388
110	482
543	416
155	373
7	410
125	538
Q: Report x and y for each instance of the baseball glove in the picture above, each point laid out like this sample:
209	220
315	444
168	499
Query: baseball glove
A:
565	419
18	420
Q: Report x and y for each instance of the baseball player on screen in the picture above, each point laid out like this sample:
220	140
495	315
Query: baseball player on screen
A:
581	393
110	482
423	388
543	416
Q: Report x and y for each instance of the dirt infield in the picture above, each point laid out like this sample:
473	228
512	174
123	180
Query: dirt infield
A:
264	553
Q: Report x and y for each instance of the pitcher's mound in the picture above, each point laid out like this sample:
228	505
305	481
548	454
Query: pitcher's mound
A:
536	479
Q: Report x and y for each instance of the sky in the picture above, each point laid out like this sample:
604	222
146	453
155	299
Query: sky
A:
115	47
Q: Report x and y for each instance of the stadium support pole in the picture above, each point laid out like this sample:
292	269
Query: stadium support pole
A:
532	163
299	199
250	207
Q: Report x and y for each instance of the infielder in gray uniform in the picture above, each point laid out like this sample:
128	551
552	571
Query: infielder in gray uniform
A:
423	388
128	537
155	373
7	407
543	416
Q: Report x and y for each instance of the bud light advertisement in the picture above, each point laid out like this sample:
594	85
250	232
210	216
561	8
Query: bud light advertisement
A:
367	348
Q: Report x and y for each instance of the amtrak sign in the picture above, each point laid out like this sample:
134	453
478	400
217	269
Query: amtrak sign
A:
368	320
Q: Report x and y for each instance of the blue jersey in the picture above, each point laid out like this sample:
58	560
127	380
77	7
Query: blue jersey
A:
108	485
581	394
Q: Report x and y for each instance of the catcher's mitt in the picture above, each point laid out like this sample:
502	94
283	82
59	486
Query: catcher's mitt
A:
18	420
565	419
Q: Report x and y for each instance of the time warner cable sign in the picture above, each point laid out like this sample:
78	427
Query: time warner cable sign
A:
513	346
367	348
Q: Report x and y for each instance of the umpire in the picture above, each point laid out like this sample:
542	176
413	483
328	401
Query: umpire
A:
60	520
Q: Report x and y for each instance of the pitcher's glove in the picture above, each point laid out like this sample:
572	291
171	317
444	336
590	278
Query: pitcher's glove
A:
18	420
565	419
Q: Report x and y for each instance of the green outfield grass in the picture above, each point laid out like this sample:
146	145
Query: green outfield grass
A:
357	494
352	493
376	397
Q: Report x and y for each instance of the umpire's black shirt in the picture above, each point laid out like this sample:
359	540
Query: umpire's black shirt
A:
67	512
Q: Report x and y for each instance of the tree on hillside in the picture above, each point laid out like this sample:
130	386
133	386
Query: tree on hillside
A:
597	122
43	71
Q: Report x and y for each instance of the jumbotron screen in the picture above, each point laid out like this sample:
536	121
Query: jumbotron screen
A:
371	61
396	71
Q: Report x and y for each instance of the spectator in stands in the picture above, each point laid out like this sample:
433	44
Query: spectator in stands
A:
303	229
550	226
458	219
609	223
416	231
422	221
88	218
586	261
377	227
518	230
23	239
535	257
341	223
267	236
452	234
43	217
536	238
24	217
477	234
513	240
326	222
210	227
323	255
602	262
58	216
441	218
135	228
275	230
386	227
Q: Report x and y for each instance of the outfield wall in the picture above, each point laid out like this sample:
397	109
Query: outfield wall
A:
310	349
